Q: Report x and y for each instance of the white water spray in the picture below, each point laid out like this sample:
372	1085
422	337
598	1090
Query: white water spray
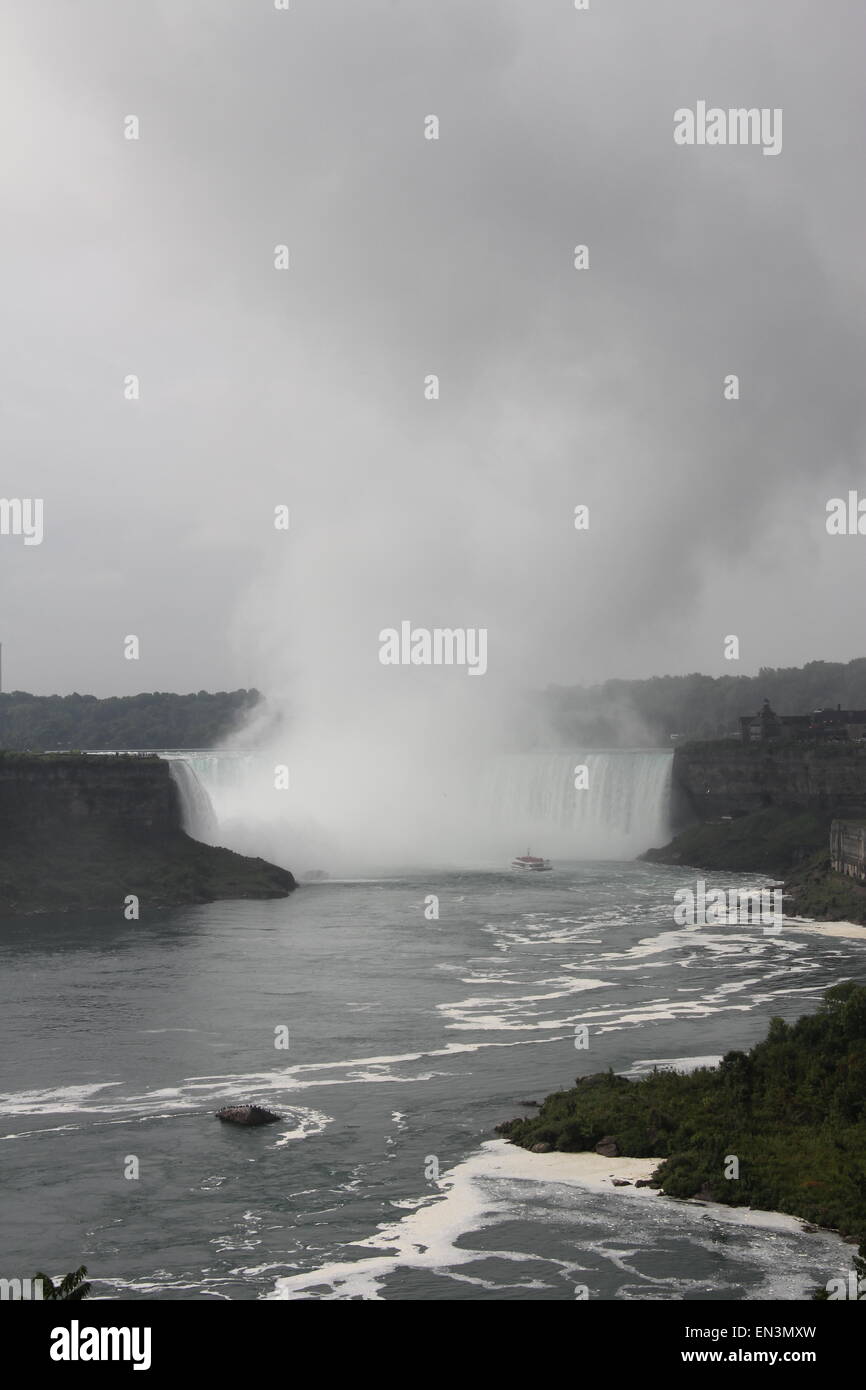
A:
481	820
197	814
623	809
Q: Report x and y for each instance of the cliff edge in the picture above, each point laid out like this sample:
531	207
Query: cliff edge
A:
768	808
84	832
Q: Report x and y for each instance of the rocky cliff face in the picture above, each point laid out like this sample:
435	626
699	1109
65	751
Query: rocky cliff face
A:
73	789
731	779
82	832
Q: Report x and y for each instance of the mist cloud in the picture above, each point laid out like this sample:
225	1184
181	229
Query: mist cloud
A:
409	257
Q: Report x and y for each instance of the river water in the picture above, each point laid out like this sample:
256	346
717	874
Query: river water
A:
409	1039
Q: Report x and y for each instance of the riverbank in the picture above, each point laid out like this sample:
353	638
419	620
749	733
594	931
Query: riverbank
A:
594	1173
780	1128
444	1232
790	845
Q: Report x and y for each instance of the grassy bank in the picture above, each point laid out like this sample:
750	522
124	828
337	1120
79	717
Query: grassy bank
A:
814	890
772	841
791	1112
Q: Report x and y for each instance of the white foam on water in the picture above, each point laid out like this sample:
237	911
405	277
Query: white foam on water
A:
53	1129
52	1102
473	1199
513	1014
423	1240
196	1092
308	1123
155	1031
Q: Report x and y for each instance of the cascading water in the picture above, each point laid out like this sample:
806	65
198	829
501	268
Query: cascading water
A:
623	809
523	801
197	813
233	799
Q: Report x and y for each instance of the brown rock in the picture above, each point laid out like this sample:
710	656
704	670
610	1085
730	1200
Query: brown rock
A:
246	1115
542	1148
607	1147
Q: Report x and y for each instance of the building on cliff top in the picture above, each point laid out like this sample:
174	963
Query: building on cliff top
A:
848	848
826	724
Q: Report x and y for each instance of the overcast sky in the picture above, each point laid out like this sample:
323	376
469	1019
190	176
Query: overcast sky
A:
411	256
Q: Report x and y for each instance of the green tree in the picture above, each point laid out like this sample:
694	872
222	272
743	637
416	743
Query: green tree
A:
72	1288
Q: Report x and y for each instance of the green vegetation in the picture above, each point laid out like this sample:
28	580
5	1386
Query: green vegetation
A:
792	1110
72	1287
157	720
622	713
816	891
771	841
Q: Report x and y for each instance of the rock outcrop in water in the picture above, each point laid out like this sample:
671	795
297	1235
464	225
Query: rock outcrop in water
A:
246	1115
84	832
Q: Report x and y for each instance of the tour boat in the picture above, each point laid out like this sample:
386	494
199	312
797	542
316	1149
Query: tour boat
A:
532	862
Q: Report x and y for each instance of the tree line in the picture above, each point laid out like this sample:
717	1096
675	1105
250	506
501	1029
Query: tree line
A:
158	720
629	713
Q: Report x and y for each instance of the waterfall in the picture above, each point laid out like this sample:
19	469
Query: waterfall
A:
227	778
255	816
197	813
230	797
520	801
624	809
